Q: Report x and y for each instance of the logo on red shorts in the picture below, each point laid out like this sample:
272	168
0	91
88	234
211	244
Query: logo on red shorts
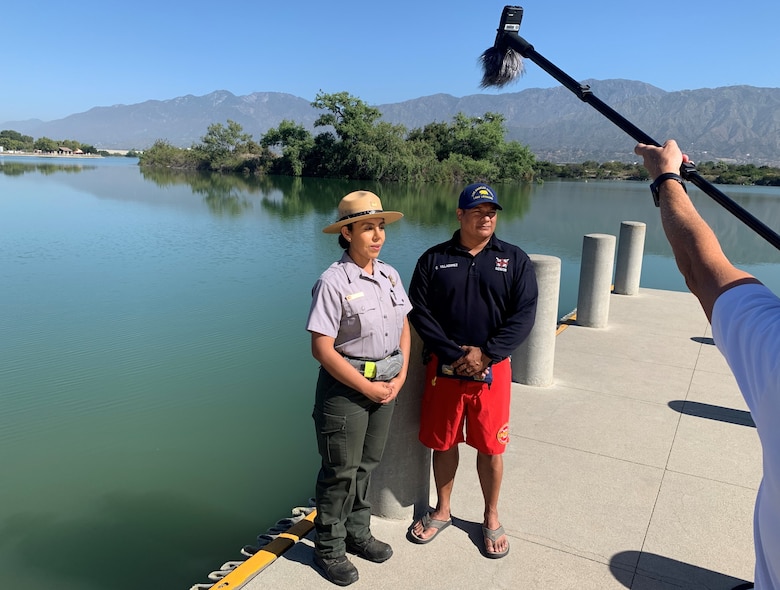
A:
503	434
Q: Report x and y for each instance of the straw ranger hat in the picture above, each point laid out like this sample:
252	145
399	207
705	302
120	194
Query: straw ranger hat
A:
360	205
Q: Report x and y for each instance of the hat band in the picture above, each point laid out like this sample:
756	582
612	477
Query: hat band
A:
370	212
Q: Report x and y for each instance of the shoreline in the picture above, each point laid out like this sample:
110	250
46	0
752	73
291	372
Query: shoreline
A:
30	155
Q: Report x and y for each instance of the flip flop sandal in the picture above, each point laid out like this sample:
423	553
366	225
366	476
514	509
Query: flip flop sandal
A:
429	523
494	535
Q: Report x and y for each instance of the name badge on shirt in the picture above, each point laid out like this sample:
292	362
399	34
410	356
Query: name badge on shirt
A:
354	296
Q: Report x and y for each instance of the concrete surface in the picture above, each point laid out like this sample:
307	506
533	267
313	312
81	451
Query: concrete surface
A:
638	468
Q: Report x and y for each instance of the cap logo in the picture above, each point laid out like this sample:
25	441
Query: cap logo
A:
481	193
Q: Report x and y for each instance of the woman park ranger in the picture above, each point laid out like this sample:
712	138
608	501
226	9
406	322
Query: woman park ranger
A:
361	338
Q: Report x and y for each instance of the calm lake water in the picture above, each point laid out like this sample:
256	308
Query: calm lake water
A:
155	376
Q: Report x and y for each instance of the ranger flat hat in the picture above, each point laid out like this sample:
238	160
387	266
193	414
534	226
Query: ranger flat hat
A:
360	205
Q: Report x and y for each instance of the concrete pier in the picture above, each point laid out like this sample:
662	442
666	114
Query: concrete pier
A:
534	360
631	249
638	468
598	256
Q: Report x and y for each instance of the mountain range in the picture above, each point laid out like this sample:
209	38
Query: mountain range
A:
736	124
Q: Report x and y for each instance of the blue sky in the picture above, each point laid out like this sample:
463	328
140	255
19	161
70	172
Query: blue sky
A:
60	58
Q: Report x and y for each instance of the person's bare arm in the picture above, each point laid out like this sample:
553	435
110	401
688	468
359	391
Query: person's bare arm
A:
698	254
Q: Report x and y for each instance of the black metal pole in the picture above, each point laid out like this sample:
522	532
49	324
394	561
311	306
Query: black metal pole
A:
688	171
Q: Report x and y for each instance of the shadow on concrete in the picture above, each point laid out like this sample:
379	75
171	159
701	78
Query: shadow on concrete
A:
659	572
473	530
703	340
730	415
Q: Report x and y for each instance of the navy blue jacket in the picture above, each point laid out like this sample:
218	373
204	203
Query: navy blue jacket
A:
487	300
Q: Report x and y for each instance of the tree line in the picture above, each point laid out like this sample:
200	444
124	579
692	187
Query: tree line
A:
715	172
357	145
13	141
16	142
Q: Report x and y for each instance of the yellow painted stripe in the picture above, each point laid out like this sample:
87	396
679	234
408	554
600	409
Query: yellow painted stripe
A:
571	318
566	321
267	555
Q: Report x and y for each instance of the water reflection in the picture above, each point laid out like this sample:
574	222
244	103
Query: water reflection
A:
151	535
290	197
224	194
14	168
546	219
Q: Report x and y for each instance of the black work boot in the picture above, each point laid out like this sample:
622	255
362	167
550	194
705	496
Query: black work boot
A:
338	570
371	549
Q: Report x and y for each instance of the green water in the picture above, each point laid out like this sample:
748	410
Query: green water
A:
155	375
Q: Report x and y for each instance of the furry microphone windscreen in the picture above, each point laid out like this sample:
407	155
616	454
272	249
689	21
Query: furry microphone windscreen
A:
500	67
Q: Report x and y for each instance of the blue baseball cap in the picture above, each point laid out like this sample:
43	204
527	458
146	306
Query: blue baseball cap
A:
476	194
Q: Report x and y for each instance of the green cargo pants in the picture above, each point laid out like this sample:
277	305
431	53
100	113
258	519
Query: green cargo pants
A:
351	434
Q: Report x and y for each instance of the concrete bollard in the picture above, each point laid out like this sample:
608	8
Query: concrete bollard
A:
631	247
533	360
400	485
598	256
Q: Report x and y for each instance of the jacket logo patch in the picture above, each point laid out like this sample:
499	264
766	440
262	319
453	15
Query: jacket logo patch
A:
502	264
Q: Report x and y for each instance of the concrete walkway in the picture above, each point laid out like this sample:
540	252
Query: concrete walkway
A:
637	469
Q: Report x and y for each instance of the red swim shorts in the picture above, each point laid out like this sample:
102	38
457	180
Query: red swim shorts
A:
450	406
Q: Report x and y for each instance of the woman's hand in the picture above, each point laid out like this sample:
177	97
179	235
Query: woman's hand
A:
381	392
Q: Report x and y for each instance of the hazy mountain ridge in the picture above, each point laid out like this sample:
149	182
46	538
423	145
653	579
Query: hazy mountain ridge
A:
735	123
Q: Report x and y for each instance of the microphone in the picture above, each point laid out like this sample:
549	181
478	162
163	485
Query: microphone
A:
502	65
